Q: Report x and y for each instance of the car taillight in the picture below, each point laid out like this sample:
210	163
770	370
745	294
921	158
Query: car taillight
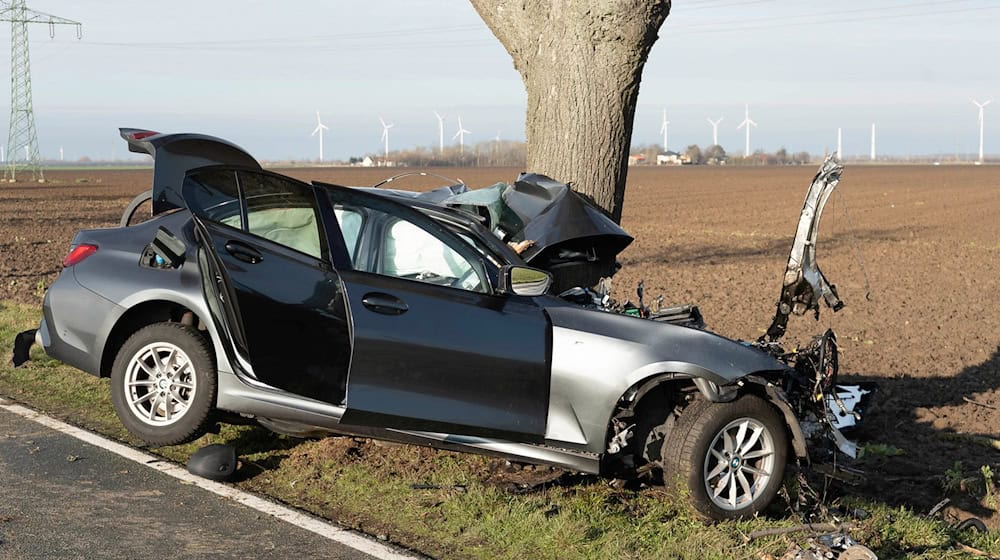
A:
78	253
141	134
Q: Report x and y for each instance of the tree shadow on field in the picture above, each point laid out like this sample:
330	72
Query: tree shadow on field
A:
699	252
934	425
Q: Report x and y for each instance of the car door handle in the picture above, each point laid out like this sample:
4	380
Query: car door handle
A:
244	252
384	304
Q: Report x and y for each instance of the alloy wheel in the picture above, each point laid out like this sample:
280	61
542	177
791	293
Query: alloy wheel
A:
739	464
159	383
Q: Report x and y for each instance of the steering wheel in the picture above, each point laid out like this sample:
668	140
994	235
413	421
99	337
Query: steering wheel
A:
460	282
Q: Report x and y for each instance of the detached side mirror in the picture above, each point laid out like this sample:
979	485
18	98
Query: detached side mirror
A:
524	281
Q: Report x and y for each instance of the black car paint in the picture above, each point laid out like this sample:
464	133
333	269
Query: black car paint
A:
455	361
291	311
567	221
253	317
423	368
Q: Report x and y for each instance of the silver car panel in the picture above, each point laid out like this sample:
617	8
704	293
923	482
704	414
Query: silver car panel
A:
597	356
70	334
282	411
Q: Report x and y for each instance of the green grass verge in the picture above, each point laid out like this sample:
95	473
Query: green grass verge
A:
367	485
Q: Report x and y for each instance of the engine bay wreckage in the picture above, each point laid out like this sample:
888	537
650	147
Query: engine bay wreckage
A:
407	316
577	244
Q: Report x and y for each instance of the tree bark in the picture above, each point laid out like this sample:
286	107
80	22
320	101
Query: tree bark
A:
581	62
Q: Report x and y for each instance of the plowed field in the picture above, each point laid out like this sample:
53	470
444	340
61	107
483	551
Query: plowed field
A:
928	239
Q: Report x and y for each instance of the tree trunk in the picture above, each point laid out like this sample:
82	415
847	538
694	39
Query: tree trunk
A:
581	62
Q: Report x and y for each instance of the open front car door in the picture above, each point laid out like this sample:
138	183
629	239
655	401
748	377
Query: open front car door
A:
436	346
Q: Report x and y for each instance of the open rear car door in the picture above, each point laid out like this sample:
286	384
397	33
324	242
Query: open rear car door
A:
262	251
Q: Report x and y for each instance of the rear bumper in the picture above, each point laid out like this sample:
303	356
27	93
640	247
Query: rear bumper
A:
75	323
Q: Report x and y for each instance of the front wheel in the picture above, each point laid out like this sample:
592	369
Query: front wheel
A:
728	457
163	384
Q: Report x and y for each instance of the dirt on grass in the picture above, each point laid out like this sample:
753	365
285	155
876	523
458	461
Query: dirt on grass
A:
914	252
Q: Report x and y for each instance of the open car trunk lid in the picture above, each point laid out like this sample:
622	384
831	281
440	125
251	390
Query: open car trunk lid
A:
175	155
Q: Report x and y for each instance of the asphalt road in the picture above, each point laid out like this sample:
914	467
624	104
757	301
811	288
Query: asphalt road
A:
61	498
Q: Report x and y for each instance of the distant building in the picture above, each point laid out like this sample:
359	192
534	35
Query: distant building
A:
637	159
668	158
367	162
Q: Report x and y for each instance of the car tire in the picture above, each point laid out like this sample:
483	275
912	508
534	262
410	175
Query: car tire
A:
129	213
727	458
163	384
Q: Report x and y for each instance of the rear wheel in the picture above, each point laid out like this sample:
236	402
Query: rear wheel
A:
728	457
163	384
133	207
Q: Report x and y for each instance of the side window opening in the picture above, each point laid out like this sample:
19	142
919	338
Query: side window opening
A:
351	221
283	212
410	252
478	245
270	206
390	239
215	195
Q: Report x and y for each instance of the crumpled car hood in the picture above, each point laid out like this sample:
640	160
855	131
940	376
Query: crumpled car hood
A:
564	226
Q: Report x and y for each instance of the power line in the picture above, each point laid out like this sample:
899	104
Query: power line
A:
312	48
363	41
719	26
837	13
296	41
716	4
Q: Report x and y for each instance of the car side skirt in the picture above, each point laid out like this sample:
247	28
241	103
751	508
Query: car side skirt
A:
254	399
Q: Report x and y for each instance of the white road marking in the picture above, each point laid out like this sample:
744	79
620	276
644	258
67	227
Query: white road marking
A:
308	522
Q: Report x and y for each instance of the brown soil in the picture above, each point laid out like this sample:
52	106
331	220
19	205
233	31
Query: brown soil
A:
928	236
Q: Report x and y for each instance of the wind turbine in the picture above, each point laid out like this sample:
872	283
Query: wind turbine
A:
440	132
747	122
461	136
715	130
385	137
663	129
840	144
873	142
981	107
320	127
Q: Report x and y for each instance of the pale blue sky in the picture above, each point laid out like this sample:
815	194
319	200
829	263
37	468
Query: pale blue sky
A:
255	72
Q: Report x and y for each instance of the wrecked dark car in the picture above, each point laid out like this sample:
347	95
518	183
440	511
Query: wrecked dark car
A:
321	309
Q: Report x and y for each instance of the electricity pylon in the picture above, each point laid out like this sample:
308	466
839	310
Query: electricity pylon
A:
22	138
